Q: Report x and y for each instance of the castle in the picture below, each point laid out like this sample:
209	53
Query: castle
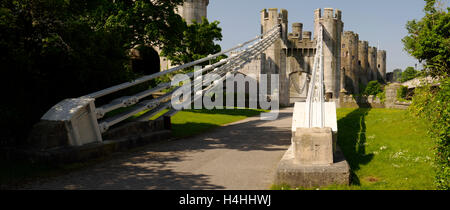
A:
349	63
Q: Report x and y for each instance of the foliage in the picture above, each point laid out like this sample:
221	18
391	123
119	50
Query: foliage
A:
53	49
433	105
428	39
372	88
397	74
409	74
382	96
386	149
401	92
198	42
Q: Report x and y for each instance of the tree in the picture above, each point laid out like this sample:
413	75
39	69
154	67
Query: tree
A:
409	74
428	39
373	88
54	49
198	42
397	74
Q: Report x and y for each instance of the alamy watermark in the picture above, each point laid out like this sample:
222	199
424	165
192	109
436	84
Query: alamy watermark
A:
240	91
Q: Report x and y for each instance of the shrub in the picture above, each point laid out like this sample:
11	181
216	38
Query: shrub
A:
433	105
382	96
373	88
401	92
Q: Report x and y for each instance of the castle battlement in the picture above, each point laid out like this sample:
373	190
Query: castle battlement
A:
328	13
364	42
351	34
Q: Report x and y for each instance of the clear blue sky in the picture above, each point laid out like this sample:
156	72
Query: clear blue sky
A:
380	21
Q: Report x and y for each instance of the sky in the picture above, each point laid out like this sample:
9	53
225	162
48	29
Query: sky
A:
381	22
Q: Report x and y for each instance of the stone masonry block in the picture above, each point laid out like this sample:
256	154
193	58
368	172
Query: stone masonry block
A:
313	146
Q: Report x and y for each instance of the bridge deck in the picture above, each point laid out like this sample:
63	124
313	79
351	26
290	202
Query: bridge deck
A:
241	155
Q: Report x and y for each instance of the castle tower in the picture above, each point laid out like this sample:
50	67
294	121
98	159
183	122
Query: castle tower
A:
275	55
333	27
306	35
372	58
193	10
381	64
297	30
363	53
349	62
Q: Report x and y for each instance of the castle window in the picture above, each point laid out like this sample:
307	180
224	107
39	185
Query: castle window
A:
343	45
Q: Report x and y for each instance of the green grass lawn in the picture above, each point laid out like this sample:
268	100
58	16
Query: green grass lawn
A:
386	150
191	122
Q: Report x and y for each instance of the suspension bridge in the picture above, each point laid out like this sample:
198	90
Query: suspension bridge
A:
79	123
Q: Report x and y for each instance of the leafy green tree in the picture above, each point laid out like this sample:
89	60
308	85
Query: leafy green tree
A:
54	49
409	74
428	39
397	74
373	88
198	42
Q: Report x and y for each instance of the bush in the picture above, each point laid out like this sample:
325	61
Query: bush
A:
401	92
382	96
373	88
433	105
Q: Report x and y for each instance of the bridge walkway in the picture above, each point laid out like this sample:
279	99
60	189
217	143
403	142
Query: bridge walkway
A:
238	156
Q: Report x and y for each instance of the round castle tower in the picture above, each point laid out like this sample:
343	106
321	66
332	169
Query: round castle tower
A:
349	62
275	62
193	10
363	53
333	27
373	70
381	64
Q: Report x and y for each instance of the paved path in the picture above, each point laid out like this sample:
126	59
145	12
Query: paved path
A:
239	156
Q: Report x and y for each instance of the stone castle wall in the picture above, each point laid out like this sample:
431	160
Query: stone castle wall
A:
348	61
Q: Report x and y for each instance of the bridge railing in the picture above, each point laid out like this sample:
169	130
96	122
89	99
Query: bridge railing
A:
84	122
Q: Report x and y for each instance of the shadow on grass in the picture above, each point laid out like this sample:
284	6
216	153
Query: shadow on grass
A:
352	140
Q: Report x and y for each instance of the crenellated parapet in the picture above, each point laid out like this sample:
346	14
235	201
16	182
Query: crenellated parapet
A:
299	39
271	17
